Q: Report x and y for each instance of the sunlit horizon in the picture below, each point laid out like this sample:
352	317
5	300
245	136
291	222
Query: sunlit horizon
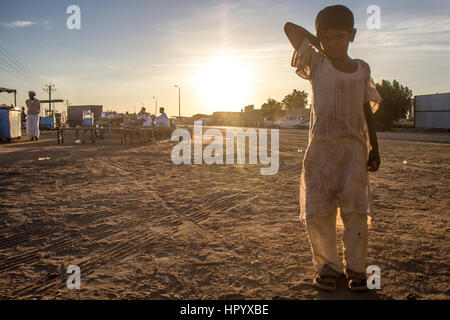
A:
223	54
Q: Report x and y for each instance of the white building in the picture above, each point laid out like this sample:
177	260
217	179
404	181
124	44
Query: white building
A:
432	111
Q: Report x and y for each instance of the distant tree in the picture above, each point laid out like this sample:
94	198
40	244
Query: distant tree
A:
270	108
296	100
396	100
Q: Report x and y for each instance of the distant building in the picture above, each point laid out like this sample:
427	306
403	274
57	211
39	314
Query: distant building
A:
432	111
75	113
223	118
199	116
252	117
249	108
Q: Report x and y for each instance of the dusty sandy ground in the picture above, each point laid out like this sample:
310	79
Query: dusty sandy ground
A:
141	227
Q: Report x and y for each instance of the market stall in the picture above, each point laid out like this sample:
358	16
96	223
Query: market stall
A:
10	119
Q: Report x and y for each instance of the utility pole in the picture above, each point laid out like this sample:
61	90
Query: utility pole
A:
50	88
156	104
179	100
67	108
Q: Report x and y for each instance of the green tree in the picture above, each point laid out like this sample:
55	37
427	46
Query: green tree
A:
270	108
296	100
396	100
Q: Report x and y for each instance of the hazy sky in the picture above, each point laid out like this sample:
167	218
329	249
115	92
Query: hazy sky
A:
224	54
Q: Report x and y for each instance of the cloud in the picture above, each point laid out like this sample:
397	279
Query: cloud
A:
18	24
411	34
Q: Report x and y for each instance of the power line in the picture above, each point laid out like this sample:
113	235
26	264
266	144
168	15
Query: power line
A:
19	71
15	68
13	72
16	61
4	67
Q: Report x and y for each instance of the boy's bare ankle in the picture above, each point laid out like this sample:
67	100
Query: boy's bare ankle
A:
327	270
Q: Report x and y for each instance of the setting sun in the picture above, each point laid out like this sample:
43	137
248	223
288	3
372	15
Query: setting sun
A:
233	158
224	83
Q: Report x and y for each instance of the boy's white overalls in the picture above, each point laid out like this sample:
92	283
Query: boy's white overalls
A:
334	175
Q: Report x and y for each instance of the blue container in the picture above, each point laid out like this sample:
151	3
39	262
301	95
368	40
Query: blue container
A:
10	123
47	122
88	119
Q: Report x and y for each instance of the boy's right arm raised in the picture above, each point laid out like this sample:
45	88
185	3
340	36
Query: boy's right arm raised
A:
297	34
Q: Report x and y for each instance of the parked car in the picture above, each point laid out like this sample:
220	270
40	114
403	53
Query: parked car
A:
269	123
292	122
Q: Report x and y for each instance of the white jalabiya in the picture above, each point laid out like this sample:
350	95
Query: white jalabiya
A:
162	121
146	118
334	173
33	125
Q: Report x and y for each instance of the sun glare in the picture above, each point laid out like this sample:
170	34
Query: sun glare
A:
224	84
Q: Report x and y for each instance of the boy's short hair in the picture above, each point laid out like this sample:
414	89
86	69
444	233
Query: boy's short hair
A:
337	17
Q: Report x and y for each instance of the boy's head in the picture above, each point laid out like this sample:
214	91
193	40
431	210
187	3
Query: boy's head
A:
335	30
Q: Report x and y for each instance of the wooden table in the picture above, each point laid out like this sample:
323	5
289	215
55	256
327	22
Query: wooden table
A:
93	131
125	132
156	133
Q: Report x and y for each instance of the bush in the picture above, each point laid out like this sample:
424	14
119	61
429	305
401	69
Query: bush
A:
396	102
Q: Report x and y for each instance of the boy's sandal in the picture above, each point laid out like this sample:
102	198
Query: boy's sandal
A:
356	281
327	279
328	283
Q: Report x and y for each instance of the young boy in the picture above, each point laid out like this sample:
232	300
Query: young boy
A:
342	146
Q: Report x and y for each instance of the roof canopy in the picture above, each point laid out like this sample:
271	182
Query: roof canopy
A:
8	90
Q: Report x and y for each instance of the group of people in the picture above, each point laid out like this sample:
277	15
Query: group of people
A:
31	118
147	120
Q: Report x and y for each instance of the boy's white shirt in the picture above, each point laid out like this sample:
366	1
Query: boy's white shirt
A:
337	111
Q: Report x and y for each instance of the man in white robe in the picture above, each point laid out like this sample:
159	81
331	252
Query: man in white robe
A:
33	112
162	121
145	118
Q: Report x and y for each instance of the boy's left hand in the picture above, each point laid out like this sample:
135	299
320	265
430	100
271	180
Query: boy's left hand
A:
374	160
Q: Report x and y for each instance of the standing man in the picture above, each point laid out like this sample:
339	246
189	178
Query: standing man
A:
24	118
34	109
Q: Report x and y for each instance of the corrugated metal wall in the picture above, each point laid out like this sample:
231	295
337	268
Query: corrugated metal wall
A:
432	111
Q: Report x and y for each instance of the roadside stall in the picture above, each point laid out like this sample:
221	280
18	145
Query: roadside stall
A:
48	122
88	119
10	119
